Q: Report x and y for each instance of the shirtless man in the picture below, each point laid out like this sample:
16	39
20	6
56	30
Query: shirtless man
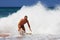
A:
22	22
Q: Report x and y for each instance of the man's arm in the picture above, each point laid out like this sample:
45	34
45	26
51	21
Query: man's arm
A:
29	25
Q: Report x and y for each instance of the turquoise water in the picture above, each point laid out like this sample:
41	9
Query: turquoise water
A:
5	11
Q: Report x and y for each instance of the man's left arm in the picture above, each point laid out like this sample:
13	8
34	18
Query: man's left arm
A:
29	25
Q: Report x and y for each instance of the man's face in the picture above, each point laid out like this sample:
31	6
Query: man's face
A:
25	17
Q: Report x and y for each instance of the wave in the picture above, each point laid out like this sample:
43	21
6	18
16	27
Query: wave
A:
42	20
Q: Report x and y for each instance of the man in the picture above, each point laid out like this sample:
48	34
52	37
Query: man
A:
22	22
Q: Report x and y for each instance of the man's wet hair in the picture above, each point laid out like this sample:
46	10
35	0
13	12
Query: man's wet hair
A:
26	16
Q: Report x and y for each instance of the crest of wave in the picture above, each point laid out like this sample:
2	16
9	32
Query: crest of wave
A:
42	21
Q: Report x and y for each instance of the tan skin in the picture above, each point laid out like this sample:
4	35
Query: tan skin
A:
22	22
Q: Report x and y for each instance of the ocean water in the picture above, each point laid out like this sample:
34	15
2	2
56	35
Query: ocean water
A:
33	37
45	23
5	11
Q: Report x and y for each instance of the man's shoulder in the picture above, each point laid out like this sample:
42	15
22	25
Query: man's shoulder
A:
22	19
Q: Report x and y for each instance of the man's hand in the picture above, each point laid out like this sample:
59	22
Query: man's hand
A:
30	29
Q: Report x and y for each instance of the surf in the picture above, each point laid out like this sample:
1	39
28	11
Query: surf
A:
42	21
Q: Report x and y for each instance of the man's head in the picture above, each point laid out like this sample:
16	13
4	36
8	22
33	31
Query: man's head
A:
25	17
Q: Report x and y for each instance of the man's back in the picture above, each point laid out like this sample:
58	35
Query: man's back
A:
22	22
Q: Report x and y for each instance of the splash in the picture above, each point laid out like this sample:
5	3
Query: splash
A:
42	21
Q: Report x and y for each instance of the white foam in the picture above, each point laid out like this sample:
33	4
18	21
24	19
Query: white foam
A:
42	21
